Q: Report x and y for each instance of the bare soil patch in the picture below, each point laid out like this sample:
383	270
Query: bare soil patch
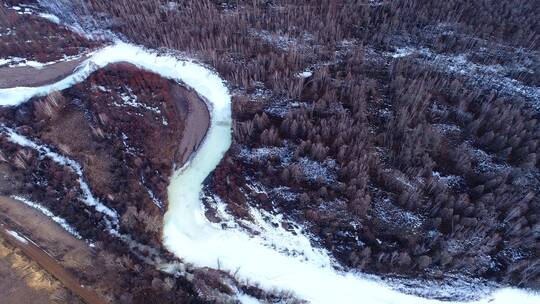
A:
50	246
196	124
26	76
25	282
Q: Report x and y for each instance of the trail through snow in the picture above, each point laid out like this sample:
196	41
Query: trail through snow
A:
264	259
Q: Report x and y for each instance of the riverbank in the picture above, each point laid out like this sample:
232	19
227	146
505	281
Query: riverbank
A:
196	124
27	76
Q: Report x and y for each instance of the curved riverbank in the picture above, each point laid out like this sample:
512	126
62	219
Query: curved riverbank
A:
28	76
196	123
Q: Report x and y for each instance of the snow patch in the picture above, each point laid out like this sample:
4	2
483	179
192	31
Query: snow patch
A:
304	74
8	32
282	41
131	100
13	62
447	288
375	3
491	76
151	194
314	170
284	154
450	180
285	193
447	128
50	17
270	228
17	236
402	52
44	151
395	216
60	221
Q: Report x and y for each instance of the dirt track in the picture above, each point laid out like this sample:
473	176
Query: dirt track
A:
23	281
53	267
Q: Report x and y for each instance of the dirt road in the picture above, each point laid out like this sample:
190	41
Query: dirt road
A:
46	260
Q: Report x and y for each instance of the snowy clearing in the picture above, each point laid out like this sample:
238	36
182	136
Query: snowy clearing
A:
494	76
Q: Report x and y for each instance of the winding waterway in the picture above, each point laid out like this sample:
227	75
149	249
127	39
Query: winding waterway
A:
262	259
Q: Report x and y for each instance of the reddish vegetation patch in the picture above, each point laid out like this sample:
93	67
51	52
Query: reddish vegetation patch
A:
227	182
124	128
35	38
136	111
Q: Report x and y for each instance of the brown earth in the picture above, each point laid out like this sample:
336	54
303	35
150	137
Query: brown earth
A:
49	264
58	253
43	231
34	77
22	281
196	124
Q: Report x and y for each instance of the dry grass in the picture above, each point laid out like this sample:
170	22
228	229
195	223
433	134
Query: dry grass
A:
25	282
34	276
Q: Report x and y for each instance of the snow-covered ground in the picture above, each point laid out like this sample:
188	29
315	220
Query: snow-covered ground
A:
273	259
491	76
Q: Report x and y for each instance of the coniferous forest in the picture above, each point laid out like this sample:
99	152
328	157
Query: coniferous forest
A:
403	135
